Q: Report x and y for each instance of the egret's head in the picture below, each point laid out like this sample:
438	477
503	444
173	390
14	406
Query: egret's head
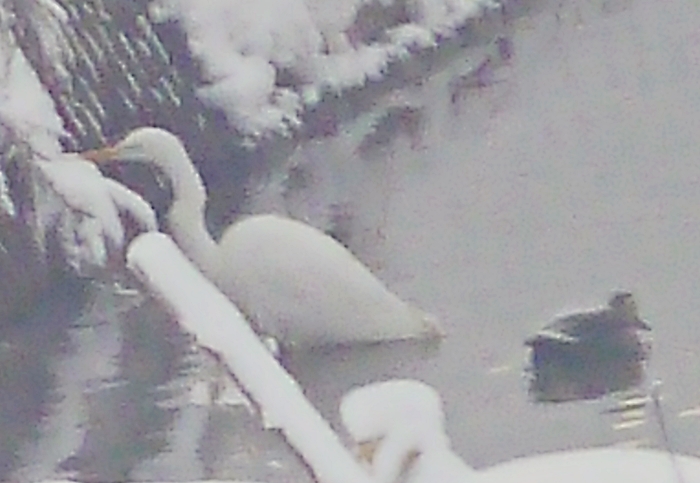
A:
164	154
625	304
146	145
392	423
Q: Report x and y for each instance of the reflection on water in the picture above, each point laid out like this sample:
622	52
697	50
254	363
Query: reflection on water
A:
587	355
326	374
27	381
575	372
613	365
396	120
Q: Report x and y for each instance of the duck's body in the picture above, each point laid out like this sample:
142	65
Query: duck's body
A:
402	424
291	280
610	330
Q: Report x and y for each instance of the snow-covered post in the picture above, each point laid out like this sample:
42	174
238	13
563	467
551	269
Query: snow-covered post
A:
218	325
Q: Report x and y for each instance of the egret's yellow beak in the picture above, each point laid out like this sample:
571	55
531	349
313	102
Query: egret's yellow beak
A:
100	155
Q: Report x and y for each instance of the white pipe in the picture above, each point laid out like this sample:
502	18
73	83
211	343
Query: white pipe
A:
219	326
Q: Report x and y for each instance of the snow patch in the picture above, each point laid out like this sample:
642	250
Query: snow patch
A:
90	224
244	45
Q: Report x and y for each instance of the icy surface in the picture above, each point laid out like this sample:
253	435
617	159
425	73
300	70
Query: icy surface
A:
218	326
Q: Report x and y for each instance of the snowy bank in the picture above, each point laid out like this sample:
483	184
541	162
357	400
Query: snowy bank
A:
263	67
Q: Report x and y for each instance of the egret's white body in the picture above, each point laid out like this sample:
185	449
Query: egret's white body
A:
291	280
402	423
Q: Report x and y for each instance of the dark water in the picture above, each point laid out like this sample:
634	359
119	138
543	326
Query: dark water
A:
564	173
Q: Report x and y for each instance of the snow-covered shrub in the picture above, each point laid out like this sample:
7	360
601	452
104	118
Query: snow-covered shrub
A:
70	197
83	208
264	61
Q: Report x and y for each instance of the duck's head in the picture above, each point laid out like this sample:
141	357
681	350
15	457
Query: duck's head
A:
393	423
624	304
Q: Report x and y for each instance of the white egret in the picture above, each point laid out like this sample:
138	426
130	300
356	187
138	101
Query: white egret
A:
292	281
399	428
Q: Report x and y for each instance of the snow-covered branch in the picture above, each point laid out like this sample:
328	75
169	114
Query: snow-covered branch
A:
217	325
245	48
85	210
72	198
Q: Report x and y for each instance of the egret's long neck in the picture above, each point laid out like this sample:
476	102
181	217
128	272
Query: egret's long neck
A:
186	215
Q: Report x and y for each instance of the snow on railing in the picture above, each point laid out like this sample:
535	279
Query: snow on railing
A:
218	326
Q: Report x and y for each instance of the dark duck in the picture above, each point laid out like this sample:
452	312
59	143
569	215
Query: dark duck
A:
609	333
